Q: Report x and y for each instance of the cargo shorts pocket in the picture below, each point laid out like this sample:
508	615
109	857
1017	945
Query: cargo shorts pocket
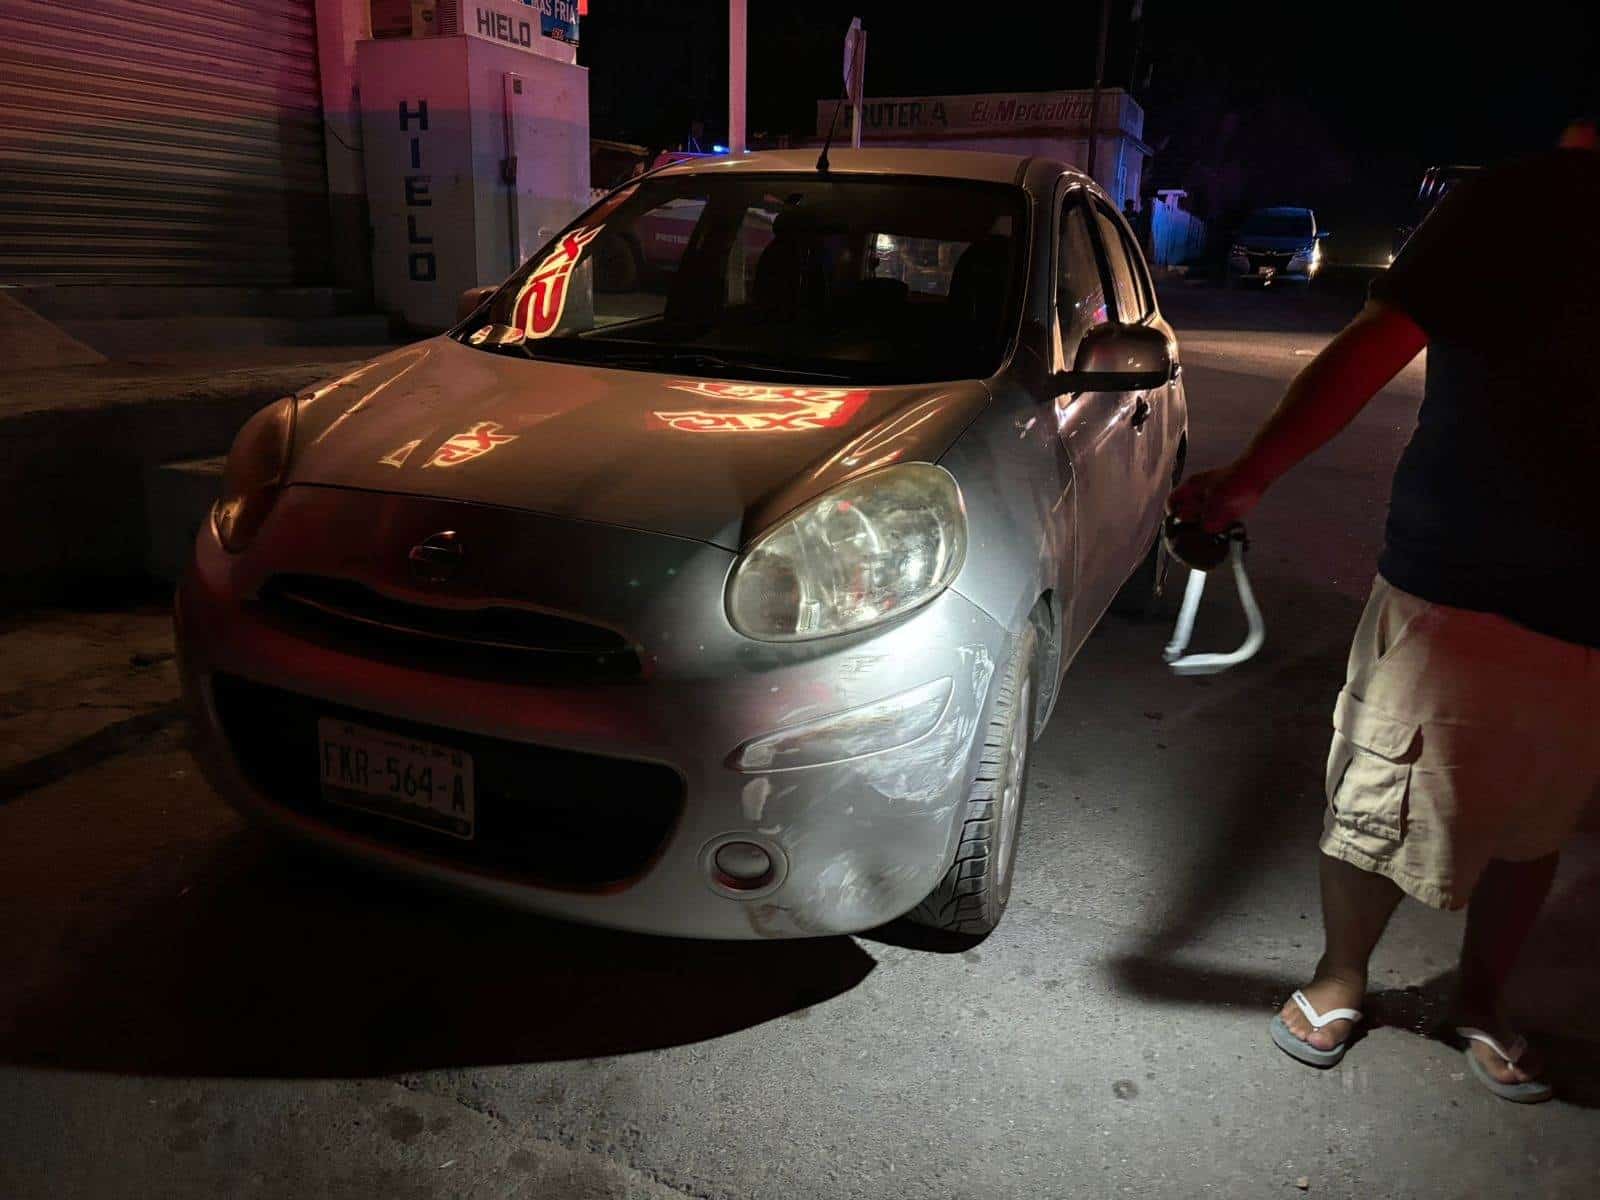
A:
1369	776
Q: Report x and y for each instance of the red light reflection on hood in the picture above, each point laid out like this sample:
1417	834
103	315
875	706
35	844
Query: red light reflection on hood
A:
470	443
761	408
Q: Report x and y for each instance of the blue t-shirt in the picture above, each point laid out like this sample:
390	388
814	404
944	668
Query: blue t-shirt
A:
1495	505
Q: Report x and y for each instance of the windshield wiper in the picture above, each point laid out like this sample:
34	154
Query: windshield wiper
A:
643	354
498	339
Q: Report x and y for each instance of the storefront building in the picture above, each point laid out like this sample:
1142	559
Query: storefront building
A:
204	143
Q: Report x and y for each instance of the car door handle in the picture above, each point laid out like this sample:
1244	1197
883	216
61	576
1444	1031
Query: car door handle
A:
1141	412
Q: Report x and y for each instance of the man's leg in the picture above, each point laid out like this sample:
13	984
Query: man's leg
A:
1500	915
1356	906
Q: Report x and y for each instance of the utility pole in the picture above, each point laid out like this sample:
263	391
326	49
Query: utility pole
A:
1138	45
855	73
1099	78
736	86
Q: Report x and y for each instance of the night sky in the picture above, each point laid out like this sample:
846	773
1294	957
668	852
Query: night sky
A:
1340	106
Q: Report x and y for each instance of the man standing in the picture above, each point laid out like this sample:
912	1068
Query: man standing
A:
1467	736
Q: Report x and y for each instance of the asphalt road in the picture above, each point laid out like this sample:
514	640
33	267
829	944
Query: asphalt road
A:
188	1010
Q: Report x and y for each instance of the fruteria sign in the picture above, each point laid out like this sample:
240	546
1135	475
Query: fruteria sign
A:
1002	112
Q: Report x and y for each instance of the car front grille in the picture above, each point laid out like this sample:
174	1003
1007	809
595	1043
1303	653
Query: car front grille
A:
556	818
1278	262
495	641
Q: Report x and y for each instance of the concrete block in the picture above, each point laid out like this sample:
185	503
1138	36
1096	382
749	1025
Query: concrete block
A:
178	497
77	445
29	342
136	338
100	302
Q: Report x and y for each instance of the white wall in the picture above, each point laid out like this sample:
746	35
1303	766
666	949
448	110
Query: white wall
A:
550	128
1071	150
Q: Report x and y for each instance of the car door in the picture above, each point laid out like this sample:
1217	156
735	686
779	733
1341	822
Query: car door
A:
1096	428
1153	417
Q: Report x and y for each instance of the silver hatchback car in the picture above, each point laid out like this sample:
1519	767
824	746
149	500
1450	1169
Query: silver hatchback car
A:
714	576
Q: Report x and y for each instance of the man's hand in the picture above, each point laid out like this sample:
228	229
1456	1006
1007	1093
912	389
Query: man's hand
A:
1216	499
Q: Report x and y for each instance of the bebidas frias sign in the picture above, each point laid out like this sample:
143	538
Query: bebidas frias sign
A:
516	23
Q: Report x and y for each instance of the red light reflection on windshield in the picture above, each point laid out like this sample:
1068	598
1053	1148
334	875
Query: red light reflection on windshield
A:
543	298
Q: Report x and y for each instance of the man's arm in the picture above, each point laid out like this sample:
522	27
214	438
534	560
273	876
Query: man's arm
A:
1322	400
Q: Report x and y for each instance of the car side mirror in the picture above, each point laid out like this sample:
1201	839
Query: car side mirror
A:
1119	358
472	298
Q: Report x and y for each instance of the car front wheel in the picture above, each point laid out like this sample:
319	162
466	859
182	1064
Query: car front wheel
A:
972	896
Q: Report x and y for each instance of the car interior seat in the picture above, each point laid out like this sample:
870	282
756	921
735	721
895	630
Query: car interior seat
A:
978	286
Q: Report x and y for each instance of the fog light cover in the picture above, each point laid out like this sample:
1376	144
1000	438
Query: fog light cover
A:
854	733
742	864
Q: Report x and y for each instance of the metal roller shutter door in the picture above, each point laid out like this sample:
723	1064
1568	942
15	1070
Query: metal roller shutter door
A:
161	141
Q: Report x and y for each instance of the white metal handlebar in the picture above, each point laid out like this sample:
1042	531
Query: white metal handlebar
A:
1210	664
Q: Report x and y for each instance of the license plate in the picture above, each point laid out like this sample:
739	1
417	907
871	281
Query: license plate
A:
397	777
1263	270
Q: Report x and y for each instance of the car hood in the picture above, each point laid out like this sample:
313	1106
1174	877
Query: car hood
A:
1297	242
717	460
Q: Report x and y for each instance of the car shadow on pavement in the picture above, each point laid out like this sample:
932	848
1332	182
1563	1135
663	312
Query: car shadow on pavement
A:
276	963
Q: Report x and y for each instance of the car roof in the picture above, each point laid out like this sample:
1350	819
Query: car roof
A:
945	164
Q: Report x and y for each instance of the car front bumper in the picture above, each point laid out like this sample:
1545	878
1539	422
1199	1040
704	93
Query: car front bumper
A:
1300	270
855	843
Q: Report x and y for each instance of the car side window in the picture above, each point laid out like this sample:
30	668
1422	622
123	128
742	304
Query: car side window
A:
1080	290
1130	303
1141	272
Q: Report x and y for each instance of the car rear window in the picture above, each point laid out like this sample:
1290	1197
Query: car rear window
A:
864	278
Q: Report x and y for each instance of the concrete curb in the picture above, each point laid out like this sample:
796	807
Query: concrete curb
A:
77	447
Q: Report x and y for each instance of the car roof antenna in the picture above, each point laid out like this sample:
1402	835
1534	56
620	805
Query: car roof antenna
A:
822	159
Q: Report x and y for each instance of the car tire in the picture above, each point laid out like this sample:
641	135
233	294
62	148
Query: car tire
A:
972	896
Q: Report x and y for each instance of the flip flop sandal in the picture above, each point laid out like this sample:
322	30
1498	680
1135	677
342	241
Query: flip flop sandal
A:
1303	1051
1530	1091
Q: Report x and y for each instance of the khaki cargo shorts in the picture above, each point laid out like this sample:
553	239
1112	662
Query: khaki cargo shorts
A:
1459	737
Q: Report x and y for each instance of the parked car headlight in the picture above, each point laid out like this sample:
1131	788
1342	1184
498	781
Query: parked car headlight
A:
254	474
862	553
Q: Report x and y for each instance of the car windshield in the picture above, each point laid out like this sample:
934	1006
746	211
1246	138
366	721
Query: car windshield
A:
1277	224
872	280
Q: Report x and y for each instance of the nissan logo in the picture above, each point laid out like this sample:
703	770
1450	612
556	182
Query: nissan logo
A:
437	557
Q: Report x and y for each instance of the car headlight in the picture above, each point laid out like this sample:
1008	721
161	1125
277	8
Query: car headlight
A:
254	474
862	553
